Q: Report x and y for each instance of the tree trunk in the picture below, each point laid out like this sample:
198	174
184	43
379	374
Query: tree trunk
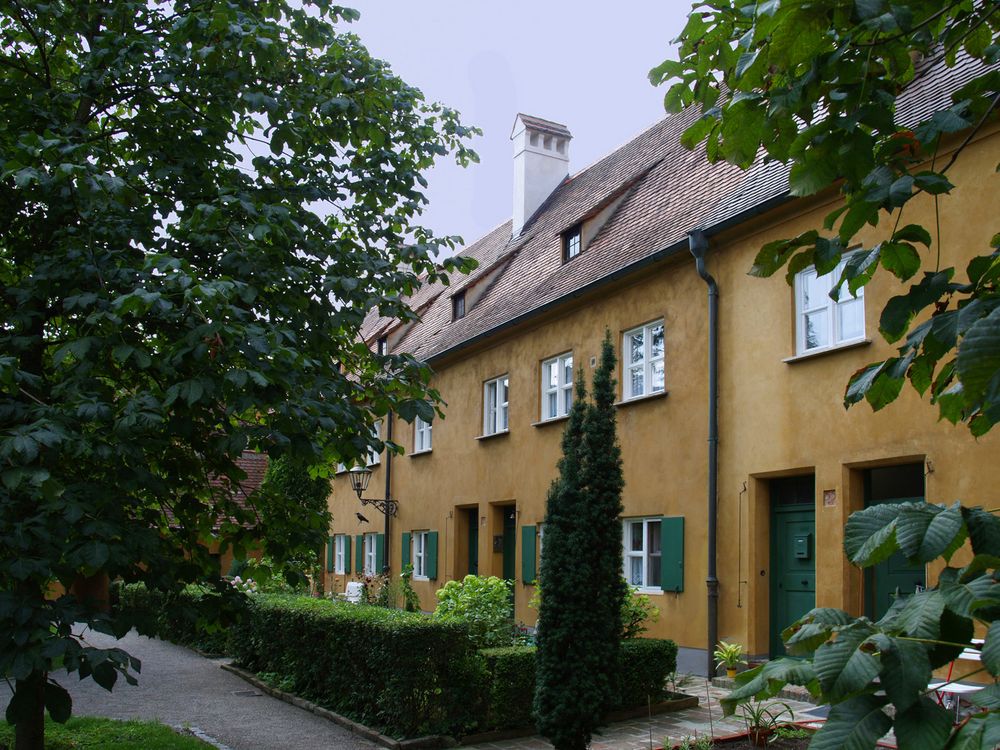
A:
29	733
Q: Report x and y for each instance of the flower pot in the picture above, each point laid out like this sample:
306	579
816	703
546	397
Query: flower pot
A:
730	672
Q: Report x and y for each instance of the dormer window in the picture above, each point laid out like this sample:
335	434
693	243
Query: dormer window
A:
571	243
458	306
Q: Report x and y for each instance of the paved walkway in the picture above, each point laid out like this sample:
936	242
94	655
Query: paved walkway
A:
182	689
663	730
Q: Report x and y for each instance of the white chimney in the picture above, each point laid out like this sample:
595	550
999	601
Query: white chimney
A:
541	163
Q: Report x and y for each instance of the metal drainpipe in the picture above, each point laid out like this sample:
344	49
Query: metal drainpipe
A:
698	244
388	492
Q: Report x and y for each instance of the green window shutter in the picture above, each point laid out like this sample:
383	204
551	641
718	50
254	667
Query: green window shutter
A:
672	556
528	535
347	553
431	551
379	553
359	553
404	552
329	554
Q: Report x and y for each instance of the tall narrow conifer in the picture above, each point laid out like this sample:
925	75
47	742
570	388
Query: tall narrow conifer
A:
579	619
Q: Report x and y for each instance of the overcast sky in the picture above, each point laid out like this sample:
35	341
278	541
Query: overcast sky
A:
581	63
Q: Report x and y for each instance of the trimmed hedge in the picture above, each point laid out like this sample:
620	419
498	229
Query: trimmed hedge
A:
187	616
510	674
400	671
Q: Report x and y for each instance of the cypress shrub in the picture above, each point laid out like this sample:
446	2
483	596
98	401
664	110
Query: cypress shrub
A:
579	618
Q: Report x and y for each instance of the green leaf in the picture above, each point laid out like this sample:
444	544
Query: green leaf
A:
58	702
901	259
984	531
991	650
105	675
856	724
924	724
912	233
846	665
978	358
906	669
988	697
870	534
920	616
980	732
768	680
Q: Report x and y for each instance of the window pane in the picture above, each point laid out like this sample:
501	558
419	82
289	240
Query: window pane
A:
817	329
656	340
503	391
567	370
653	537
567	400
635	352
635	537
551	375
635	571
815	290
503	417
656	377
636	381
552	405
851	319
653	571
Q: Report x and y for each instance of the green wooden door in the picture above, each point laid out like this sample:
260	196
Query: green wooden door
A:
793	555
509	542
472	519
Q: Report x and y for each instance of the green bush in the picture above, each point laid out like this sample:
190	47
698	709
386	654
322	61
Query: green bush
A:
402	672
510	685
643	665
483	604
195	616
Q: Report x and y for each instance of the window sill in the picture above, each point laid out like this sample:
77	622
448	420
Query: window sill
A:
826	350
546	422
420	578
424	452
640	399
493	435
647	590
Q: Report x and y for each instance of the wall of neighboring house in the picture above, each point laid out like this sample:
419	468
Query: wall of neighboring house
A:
779	417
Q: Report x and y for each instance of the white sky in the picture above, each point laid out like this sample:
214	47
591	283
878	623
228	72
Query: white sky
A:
580	63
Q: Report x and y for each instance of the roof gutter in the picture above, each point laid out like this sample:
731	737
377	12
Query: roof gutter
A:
698	244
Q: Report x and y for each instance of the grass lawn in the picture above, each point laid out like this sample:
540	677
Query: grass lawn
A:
92	733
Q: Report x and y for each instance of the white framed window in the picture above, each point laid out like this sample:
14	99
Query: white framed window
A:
642	552
375	457
419	556
541	540
371	562
557	386
422	437
339	554
495	405
642	360
821	322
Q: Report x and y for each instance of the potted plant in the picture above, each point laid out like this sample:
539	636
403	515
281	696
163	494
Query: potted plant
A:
730	656
763	718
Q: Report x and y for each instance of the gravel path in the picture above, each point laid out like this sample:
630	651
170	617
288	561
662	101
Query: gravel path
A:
182	689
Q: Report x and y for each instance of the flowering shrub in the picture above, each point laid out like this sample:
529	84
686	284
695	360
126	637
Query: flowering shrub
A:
248	586
484	604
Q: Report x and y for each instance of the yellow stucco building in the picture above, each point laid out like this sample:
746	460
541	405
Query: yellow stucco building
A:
609	248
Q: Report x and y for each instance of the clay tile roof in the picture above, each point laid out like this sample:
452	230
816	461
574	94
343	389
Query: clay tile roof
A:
665	192
544	126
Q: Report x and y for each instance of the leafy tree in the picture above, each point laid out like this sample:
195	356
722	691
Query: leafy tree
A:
294	502
815	85
199	204
846	655
580	615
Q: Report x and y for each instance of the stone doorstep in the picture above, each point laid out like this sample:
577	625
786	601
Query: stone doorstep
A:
418	743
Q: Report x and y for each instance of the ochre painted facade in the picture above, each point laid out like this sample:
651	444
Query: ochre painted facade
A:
777	418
